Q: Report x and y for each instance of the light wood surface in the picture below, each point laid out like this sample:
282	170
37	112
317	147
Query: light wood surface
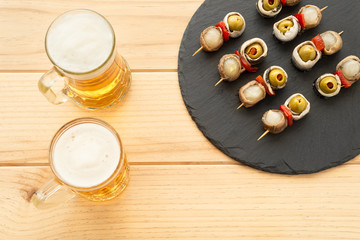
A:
148	32
152	122
191	202
181	186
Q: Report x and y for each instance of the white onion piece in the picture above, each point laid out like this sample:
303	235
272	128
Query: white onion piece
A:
329	40
253	93
351	68
310	15
273	118
231	67
213	37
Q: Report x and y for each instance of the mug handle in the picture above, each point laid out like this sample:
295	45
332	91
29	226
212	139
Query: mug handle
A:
51	194
47	81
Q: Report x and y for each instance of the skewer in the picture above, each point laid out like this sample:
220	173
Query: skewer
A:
323	8
266	132
240	106
201	48
341	33
222	79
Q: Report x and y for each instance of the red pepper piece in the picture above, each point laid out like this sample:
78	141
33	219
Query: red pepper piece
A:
301	19
247	65
319	42
287	114
225	33
283	2
343	80
268	89
252	51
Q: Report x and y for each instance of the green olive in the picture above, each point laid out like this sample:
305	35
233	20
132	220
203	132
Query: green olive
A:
254	51
307	53
235	22
298	104
285	26
277	77
328	84
269	5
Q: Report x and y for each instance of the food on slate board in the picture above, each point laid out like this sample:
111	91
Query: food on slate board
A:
350	68
309	16
295	108
347	72
213	37
328	85
251	93
271	8
251	52
305	55
332	42
268	8
288	28
274	78
235	24
230	68
308	53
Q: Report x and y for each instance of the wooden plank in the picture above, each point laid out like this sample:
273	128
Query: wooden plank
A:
148	32
152	121
191	202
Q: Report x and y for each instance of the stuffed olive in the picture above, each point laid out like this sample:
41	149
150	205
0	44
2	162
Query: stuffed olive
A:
268	8
298	105
305	55
235	24
254	50
328	85
276	77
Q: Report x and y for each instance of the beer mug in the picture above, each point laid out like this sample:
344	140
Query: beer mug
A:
87	158
81	46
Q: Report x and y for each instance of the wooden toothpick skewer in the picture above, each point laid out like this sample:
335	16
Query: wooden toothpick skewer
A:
240	106
201	48
266	132
341	33
323	8
219	81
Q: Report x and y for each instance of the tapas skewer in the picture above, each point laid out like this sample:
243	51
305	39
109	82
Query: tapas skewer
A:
295	108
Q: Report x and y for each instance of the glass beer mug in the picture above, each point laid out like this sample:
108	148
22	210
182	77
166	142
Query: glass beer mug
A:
81	45
87	158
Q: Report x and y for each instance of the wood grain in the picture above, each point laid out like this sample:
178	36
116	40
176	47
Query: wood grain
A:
148	32
191	202
152	122
181	186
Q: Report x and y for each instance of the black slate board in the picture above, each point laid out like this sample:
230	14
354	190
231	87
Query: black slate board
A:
327	137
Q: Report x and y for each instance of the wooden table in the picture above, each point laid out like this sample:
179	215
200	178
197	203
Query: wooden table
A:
181	186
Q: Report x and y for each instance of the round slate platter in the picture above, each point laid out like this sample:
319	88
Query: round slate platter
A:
328	136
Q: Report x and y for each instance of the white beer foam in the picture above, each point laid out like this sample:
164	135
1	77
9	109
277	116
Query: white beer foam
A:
86	155
80	41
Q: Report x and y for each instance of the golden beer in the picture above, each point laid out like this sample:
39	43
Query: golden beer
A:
102	91
87	158
81	45
112	188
